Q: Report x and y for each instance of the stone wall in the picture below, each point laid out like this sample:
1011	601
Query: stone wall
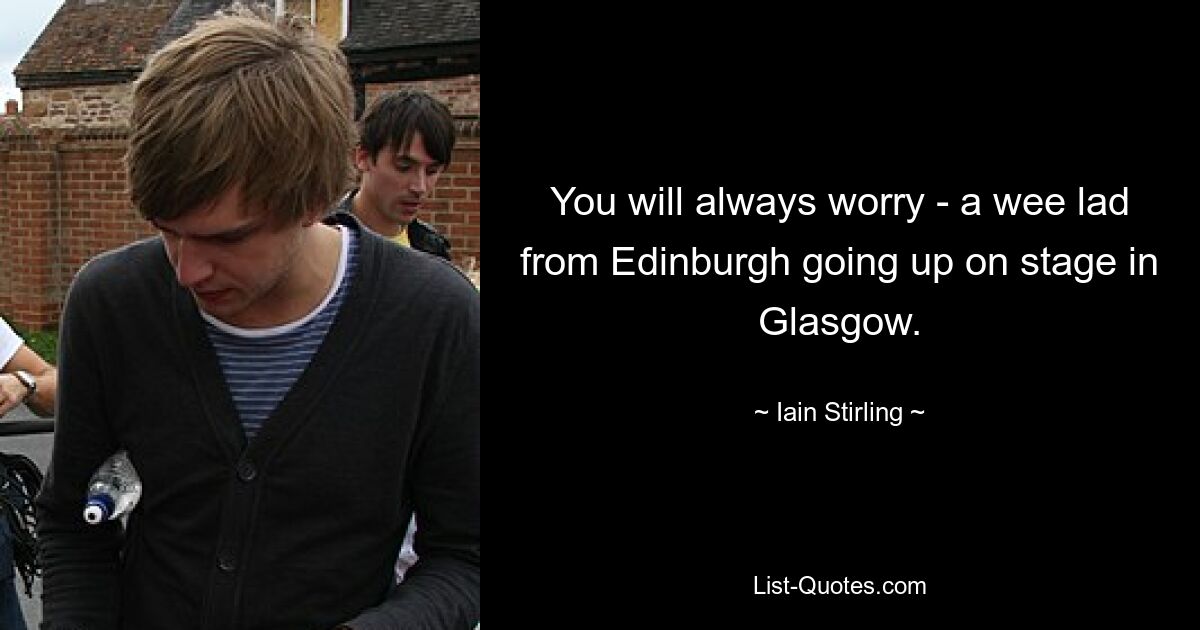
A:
89	106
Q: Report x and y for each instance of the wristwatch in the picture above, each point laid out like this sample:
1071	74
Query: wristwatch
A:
28	381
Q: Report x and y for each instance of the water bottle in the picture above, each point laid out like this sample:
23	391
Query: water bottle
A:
113	491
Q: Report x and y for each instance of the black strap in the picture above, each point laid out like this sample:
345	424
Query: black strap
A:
20	481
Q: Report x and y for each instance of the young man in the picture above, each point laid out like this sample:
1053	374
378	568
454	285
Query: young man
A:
246	359
405	143
24	378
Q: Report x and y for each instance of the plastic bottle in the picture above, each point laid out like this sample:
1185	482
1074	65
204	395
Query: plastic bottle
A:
113	491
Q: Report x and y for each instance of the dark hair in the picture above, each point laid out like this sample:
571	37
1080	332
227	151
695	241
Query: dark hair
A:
392	118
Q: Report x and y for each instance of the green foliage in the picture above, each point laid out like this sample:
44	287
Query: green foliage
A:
45	343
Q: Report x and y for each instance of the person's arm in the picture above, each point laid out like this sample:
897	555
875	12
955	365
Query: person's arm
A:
442	589
13	390
81	581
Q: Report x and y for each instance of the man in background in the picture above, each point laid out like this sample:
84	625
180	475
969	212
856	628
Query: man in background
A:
405	141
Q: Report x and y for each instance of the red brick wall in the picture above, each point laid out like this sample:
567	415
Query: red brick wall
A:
454	207
27	291
62	200
96	213
460	94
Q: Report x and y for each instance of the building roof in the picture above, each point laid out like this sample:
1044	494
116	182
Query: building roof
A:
388	24
185	18
108	41
95	41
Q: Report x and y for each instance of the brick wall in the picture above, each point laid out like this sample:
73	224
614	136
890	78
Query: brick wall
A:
461	94
26	176
85	106
454	207
63	200
96	213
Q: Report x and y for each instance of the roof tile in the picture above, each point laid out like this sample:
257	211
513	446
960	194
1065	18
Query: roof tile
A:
382	24
97	36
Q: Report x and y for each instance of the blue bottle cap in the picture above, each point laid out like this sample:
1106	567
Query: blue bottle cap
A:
99	508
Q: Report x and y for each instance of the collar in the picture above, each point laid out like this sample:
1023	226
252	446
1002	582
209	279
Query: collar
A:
341	214
346	204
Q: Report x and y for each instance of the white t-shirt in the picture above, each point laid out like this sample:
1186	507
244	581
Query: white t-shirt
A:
9	343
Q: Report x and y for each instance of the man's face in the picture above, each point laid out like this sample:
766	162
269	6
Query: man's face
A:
396	182
235	261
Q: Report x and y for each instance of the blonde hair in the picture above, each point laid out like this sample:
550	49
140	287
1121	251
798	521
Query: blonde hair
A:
244	100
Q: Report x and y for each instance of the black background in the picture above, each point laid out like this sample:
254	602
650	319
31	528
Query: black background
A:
630	483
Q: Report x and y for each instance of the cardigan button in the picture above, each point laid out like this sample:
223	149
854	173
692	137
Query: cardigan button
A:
226	561
246	471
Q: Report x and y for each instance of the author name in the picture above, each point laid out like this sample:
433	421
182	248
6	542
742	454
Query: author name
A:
848	411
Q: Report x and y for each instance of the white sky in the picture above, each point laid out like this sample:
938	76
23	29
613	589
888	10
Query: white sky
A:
21	21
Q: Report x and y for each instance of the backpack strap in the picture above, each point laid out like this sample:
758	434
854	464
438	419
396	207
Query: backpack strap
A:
20	481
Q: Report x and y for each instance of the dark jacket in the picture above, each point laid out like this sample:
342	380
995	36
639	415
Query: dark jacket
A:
421	235
300	527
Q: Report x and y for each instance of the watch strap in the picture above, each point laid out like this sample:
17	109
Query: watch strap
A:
28	381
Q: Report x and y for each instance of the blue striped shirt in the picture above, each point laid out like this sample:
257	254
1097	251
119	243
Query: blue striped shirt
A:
261	365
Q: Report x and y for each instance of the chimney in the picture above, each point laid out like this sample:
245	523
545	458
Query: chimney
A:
10	107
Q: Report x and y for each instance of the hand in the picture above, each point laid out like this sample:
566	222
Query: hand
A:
12	393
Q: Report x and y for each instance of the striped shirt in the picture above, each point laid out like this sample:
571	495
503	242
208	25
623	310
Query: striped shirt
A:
262	364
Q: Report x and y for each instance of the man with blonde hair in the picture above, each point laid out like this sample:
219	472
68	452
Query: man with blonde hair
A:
245	358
